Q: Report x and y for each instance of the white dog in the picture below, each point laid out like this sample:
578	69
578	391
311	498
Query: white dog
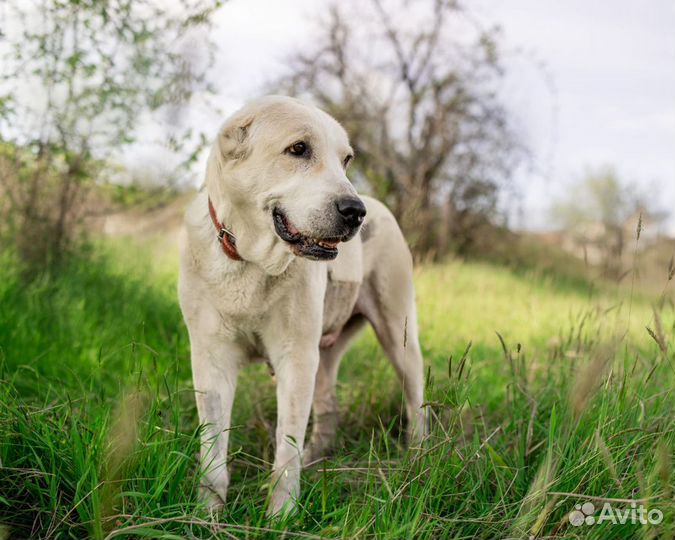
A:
282	260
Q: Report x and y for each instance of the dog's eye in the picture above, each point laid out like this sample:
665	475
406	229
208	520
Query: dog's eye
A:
298	149
347	161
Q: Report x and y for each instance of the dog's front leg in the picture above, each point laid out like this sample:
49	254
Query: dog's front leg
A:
295	370
215	365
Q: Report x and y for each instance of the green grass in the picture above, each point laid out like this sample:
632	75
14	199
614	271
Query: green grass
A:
99	433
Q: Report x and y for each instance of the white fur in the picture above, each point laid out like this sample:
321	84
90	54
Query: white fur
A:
276	305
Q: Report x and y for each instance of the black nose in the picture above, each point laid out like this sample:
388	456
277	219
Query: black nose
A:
352	210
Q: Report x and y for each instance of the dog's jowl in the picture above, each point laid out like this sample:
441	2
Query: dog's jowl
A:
273	237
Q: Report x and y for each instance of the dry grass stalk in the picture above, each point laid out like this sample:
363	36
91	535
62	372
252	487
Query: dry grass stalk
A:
122	440
607	457
587	381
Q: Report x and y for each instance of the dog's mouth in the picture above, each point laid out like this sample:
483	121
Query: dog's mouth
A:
319	249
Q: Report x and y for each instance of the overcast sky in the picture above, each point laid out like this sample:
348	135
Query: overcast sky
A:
590	83
612	70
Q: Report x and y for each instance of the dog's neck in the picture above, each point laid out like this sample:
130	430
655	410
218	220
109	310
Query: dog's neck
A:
225	237
256	247
241	221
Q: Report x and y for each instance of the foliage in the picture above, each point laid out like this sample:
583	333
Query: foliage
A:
75	78
573	396
416	85
602	212
600	197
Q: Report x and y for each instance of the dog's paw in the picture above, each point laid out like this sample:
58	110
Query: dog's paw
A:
285	490
322	442
213	489
315	452
419	429
282	505
213	501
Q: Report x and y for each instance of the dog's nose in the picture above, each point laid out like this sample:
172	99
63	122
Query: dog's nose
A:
352	210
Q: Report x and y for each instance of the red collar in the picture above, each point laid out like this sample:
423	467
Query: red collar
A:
225	237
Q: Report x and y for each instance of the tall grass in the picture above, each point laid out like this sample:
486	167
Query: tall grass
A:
542	396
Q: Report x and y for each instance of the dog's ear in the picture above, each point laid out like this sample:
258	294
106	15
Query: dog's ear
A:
233	138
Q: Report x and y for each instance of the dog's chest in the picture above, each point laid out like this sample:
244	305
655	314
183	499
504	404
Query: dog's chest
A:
247	297
342	290
338	303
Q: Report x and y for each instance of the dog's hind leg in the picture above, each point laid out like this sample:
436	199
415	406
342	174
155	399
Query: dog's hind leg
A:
324	405
390	308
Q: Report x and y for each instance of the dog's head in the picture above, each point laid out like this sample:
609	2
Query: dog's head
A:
276	175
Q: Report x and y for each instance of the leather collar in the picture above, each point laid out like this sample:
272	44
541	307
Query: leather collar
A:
225	237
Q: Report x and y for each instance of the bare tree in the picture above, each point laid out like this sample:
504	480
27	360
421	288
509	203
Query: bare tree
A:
74	79
416	85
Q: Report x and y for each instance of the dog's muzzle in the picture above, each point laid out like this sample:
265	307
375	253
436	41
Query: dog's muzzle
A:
350	214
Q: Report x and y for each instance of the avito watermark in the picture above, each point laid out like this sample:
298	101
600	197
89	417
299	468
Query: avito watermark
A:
584	514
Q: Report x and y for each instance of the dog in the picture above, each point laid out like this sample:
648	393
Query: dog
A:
282	261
